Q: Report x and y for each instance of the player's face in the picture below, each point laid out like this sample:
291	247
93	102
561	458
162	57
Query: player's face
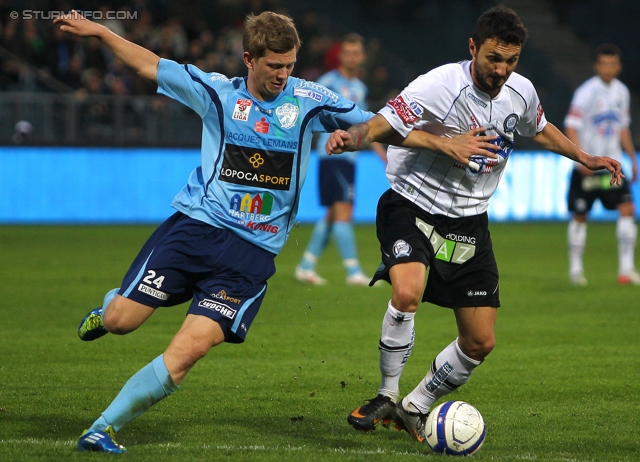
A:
608	67
493	62
351	56
269	74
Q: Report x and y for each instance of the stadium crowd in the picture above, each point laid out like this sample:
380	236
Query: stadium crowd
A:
206	34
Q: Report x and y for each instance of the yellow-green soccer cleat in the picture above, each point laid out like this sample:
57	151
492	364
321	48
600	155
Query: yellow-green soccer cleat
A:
100	441
91	326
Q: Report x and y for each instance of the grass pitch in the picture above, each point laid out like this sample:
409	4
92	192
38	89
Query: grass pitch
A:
561	385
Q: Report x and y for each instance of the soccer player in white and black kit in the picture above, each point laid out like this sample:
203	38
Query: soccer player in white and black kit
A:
435	216
598	121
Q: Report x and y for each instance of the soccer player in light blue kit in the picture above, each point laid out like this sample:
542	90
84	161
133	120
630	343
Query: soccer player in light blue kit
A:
233	216
337	175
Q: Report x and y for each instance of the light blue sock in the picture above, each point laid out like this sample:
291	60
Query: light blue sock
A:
319	240
107	299
147	386
343	233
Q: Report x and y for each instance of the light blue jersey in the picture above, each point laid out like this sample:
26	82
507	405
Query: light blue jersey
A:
350	89
254	154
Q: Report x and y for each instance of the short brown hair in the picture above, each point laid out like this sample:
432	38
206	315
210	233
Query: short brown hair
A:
353	37
500	23
269	31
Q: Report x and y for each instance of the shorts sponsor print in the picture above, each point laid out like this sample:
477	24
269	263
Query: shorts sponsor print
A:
463	271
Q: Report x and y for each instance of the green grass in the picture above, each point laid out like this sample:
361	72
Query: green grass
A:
561	385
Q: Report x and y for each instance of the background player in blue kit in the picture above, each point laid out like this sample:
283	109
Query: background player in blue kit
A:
233	216
337	175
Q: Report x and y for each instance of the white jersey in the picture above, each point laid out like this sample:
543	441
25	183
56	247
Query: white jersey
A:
599	112
445	102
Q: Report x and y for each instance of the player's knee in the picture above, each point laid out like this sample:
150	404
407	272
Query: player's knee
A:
116	324
405	298
478	347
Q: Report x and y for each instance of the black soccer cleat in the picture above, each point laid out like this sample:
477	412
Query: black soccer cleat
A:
367	416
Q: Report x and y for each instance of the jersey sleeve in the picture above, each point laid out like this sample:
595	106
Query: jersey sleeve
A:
185	83
338	113
533	120
625	121
574	118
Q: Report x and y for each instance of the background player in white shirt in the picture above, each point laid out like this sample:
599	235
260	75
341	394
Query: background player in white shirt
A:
337	175
598	121
434	215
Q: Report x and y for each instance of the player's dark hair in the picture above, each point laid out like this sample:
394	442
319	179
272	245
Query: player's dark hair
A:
607	49
500	23
353	37
269	31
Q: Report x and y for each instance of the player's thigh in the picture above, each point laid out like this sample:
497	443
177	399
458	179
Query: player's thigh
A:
123	315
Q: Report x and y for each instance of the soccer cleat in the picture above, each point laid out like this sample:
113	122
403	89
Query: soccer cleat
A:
309	277
630	278
578	279
358	279
366	417
411	422
100	441
91	326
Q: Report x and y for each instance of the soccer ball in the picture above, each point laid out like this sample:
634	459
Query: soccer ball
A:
455	428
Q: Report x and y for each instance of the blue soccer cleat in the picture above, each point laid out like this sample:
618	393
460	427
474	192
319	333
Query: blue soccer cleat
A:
91	327
100	441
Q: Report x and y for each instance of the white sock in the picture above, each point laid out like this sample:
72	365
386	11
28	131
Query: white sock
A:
396	342
577	237
449	370
627	232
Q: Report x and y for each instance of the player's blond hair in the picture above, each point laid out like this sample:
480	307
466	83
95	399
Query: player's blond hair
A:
269	31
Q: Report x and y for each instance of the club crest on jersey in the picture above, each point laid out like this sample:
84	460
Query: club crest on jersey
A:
242	109
510	123
401	249
287	115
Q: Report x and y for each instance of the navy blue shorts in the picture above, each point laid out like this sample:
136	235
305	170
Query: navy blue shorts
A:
336	181
186	259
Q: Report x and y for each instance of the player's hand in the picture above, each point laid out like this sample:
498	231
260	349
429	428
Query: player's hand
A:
339	141
471	143
605	163
74	23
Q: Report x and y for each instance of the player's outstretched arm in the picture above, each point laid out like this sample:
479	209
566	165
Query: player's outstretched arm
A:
554	140
360	136
141	60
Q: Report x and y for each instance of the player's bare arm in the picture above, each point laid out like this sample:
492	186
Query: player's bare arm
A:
626	142
460	147
139	59
572	134
552	139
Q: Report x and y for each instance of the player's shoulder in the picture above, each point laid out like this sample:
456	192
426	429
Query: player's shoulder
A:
213	79
451	77
520	82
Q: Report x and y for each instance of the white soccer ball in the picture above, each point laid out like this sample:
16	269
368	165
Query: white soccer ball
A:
455	428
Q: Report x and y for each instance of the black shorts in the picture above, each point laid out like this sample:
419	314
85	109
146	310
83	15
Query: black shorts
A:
336	181
186	259
585	189
458	252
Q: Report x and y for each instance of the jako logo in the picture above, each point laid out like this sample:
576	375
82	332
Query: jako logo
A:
477	293
260	203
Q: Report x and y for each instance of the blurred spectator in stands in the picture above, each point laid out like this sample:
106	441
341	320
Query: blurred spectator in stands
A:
21	132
